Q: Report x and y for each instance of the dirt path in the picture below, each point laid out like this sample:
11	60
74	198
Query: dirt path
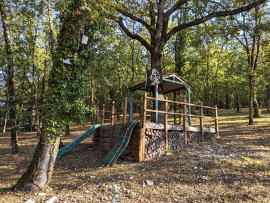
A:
234	168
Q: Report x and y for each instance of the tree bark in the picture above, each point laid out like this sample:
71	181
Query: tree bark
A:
5	122
52	41
11	95
256	107
268	98
67	130
251	96
40	170
63	87
237	102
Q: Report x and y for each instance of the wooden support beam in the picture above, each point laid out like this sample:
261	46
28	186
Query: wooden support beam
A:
142	134
185	122
216	121
97	114
112	123
160	126
130	105
125	111
201	122
156	103
166	125
101	127
189	107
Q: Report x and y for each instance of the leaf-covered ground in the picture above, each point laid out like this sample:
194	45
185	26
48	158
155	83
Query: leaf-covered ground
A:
235	168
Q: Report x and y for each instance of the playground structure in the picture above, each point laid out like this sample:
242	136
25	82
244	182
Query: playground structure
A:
142	139
151	138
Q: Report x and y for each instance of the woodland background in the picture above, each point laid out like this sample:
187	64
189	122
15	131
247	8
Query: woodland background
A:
211	56
226	60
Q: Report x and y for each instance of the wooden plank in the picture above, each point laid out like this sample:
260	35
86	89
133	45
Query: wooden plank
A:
116	127
201	122
166	124
106	140
101	127
108	133
160	126
125	111
182	114
98	115
142	134
112	123
176	102
216	121
185	123
103	115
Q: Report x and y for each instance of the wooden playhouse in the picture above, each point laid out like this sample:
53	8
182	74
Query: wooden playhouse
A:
153	136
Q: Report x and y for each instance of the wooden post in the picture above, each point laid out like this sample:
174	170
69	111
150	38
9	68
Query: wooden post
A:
97	121
201	122
185	122
102	124
125	111
112	123
166	124
156	104
189	107
130	105
216	121
142	135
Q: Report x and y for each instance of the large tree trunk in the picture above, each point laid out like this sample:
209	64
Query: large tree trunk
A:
19	113
268	98
67	130
237	103
64	87
251	96
256	107
5	122
51	29
40	170
11	95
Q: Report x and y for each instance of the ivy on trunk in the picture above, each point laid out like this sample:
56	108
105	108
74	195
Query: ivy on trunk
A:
64	97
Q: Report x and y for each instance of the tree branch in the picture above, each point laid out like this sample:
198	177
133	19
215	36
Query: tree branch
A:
176	6
160	17
239	40
152	14
134	36
127	14
213	15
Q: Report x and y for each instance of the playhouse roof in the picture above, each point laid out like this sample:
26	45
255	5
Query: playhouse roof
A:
171	83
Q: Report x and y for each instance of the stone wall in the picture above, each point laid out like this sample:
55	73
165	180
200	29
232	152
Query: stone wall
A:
155	141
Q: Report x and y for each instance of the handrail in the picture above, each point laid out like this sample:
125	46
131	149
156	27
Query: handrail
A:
184	114
111	116
180	114
176	102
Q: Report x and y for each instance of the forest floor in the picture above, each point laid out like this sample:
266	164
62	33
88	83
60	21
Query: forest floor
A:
234	168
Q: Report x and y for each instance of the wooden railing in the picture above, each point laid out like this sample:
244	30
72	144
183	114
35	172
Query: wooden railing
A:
109	115
184	114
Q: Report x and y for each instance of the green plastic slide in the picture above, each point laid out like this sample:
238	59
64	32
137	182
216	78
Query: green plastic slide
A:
77	141
120	144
